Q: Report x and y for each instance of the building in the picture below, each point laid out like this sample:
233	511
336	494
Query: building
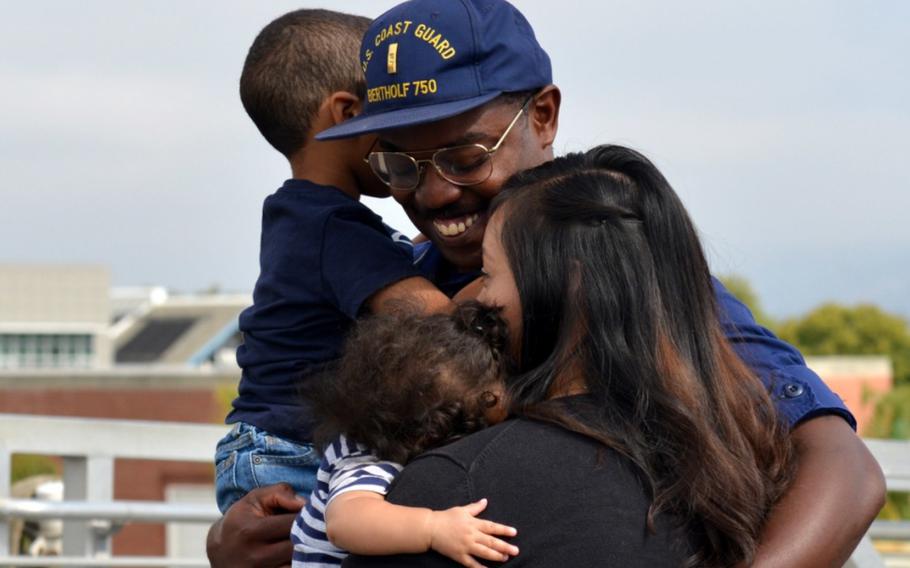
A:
184	330
858	379
54	317
72	346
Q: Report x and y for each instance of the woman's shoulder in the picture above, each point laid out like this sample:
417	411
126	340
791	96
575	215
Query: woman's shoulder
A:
518	435
451	474
464	451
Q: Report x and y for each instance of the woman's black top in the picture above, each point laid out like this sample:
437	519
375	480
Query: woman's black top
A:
574	502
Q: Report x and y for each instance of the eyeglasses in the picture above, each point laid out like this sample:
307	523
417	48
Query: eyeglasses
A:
461	165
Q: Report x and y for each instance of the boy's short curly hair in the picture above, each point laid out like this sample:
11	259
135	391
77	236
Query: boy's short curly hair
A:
295	62
409	383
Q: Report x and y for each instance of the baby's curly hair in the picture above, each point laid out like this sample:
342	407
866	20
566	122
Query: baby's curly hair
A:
408	383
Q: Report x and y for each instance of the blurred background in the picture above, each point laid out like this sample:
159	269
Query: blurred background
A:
132	185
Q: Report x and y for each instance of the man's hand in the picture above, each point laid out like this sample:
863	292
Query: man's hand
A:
256	530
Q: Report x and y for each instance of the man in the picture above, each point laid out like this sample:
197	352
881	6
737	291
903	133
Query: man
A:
462	97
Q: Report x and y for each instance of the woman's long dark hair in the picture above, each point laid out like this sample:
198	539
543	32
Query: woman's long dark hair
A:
615	288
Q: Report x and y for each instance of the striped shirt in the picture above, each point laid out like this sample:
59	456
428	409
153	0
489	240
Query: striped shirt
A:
345	466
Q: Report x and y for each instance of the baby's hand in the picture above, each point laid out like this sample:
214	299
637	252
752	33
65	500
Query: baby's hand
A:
458	534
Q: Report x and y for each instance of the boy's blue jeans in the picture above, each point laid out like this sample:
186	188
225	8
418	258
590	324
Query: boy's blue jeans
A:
248	458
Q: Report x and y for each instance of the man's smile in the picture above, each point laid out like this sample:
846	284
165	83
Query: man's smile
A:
455	226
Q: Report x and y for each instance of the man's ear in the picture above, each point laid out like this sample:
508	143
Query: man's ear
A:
544	114
342	106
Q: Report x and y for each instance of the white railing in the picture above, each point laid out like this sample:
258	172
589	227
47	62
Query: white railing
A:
894	458
90	446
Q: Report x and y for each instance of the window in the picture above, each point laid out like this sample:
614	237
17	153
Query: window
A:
45	351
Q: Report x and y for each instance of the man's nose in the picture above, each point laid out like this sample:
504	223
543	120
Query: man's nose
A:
434	191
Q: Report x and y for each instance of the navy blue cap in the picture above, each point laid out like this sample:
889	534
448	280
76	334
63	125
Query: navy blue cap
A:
426	60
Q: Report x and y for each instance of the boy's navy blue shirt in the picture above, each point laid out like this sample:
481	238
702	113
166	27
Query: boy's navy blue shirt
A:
322	255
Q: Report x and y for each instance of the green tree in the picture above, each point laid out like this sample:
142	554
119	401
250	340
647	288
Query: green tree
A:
892	415
832	329
740	287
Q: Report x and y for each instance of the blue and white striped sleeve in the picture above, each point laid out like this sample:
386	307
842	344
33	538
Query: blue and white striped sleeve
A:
358	469
312	548
345	467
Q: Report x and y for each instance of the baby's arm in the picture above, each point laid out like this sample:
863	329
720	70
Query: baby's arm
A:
363	522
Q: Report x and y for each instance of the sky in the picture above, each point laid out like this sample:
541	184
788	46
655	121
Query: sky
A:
783	126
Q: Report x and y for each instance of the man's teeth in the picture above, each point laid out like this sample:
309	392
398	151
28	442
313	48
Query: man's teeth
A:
452	228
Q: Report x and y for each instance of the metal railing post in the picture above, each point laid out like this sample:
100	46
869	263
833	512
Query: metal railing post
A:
5	487
865	556
88	478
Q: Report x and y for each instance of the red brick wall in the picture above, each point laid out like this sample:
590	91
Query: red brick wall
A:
146	480
171	405
859	394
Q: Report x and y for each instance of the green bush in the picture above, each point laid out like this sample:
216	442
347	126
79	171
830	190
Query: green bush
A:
25	465
224	395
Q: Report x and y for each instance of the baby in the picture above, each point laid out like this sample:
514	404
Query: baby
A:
405	385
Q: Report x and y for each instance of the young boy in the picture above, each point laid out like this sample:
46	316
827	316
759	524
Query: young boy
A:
325	258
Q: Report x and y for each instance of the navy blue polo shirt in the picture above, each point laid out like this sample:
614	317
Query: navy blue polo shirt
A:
322	255
437	270
798	393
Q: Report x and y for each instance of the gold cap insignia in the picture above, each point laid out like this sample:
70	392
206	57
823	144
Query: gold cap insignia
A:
392	61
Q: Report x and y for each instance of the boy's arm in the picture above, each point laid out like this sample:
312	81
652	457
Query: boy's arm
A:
838	488
363	522
414	292
372	274
365	271
469	292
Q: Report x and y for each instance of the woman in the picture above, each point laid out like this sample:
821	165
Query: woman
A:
640	439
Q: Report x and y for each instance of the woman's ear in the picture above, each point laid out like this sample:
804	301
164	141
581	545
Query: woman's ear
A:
342	105
544	114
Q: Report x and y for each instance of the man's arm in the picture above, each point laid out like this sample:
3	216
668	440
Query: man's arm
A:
256	530
838	490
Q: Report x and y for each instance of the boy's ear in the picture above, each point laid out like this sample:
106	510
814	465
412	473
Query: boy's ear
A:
343	105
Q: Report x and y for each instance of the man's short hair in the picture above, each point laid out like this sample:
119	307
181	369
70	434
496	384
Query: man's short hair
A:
293	65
